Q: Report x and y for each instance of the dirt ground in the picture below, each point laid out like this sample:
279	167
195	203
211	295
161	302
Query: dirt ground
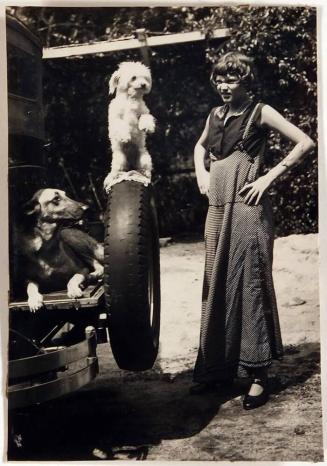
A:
150	415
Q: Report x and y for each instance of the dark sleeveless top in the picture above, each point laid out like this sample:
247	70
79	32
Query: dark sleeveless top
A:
223	139
237	151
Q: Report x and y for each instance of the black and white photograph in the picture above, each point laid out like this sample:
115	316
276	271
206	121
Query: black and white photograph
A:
163	233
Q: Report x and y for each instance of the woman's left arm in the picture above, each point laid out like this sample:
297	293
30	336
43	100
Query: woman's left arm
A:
272	119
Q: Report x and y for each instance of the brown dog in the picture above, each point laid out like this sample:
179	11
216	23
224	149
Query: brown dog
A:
53	256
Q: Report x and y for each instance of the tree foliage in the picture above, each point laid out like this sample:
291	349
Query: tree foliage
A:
281	39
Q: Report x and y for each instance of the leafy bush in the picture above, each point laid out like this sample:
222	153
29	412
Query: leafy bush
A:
283	42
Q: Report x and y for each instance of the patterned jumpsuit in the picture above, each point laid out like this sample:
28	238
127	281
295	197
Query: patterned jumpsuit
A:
239	320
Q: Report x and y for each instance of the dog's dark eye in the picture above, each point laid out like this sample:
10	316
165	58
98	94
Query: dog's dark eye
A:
133	78
56	200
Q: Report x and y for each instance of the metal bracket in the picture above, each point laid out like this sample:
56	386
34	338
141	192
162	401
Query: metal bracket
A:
144	49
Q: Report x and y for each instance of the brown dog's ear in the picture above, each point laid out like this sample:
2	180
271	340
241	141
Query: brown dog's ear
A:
113	83
31	209
32	206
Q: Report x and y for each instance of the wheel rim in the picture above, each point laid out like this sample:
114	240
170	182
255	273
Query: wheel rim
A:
154	306
150	289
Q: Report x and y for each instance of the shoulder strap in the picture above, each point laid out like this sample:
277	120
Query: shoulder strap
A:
251	120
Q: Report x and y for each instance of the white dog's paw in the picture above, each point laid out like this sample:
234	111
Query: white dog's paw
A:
147	173
73	287
98	271
145	165
35	302
147	123
107	181
74	291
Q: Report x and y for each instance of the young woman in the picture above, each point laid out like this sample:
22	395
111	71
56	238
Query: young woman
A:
240	333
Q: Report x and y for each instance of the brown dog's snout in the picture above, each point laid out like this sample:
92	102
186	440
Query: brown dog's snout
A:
71	209
78	208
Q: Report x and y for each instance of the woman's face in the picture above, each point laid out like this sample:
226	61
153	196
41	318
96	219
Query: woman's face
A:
229	88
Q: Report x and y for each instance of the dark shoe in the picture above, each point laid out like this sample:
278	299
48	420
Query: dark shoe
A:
252	402
209	387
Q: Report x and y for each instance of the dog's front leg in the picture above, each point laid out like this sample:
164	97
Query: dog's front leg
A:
34	297
144	163
120	131
97	273
118	165
74	286
147	123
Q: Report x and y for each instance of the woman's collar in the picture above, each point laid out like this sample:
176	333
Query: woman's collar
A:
222	111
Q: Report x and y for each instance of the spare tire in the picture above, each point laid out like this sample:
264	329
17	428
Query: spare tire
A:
132	275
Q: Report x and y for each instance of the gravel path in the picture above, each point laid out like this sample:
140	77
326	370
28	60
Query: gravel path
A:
150	415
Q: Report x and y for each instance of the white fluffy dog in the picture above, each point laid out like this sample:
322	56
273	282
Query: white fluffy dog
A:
129	119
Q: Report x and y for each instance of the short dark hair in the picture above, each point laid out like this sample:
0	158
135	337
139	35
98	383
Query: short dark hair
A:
235	63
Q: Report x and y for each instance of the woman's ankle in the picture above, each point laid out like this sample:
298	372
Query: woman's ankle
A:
259	381
256	389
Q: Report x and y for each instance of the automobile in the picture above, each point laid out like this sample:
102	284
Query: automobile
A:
54	351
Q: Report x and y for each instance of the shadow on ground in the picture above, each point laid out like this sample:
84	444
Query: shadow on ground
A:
128	414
